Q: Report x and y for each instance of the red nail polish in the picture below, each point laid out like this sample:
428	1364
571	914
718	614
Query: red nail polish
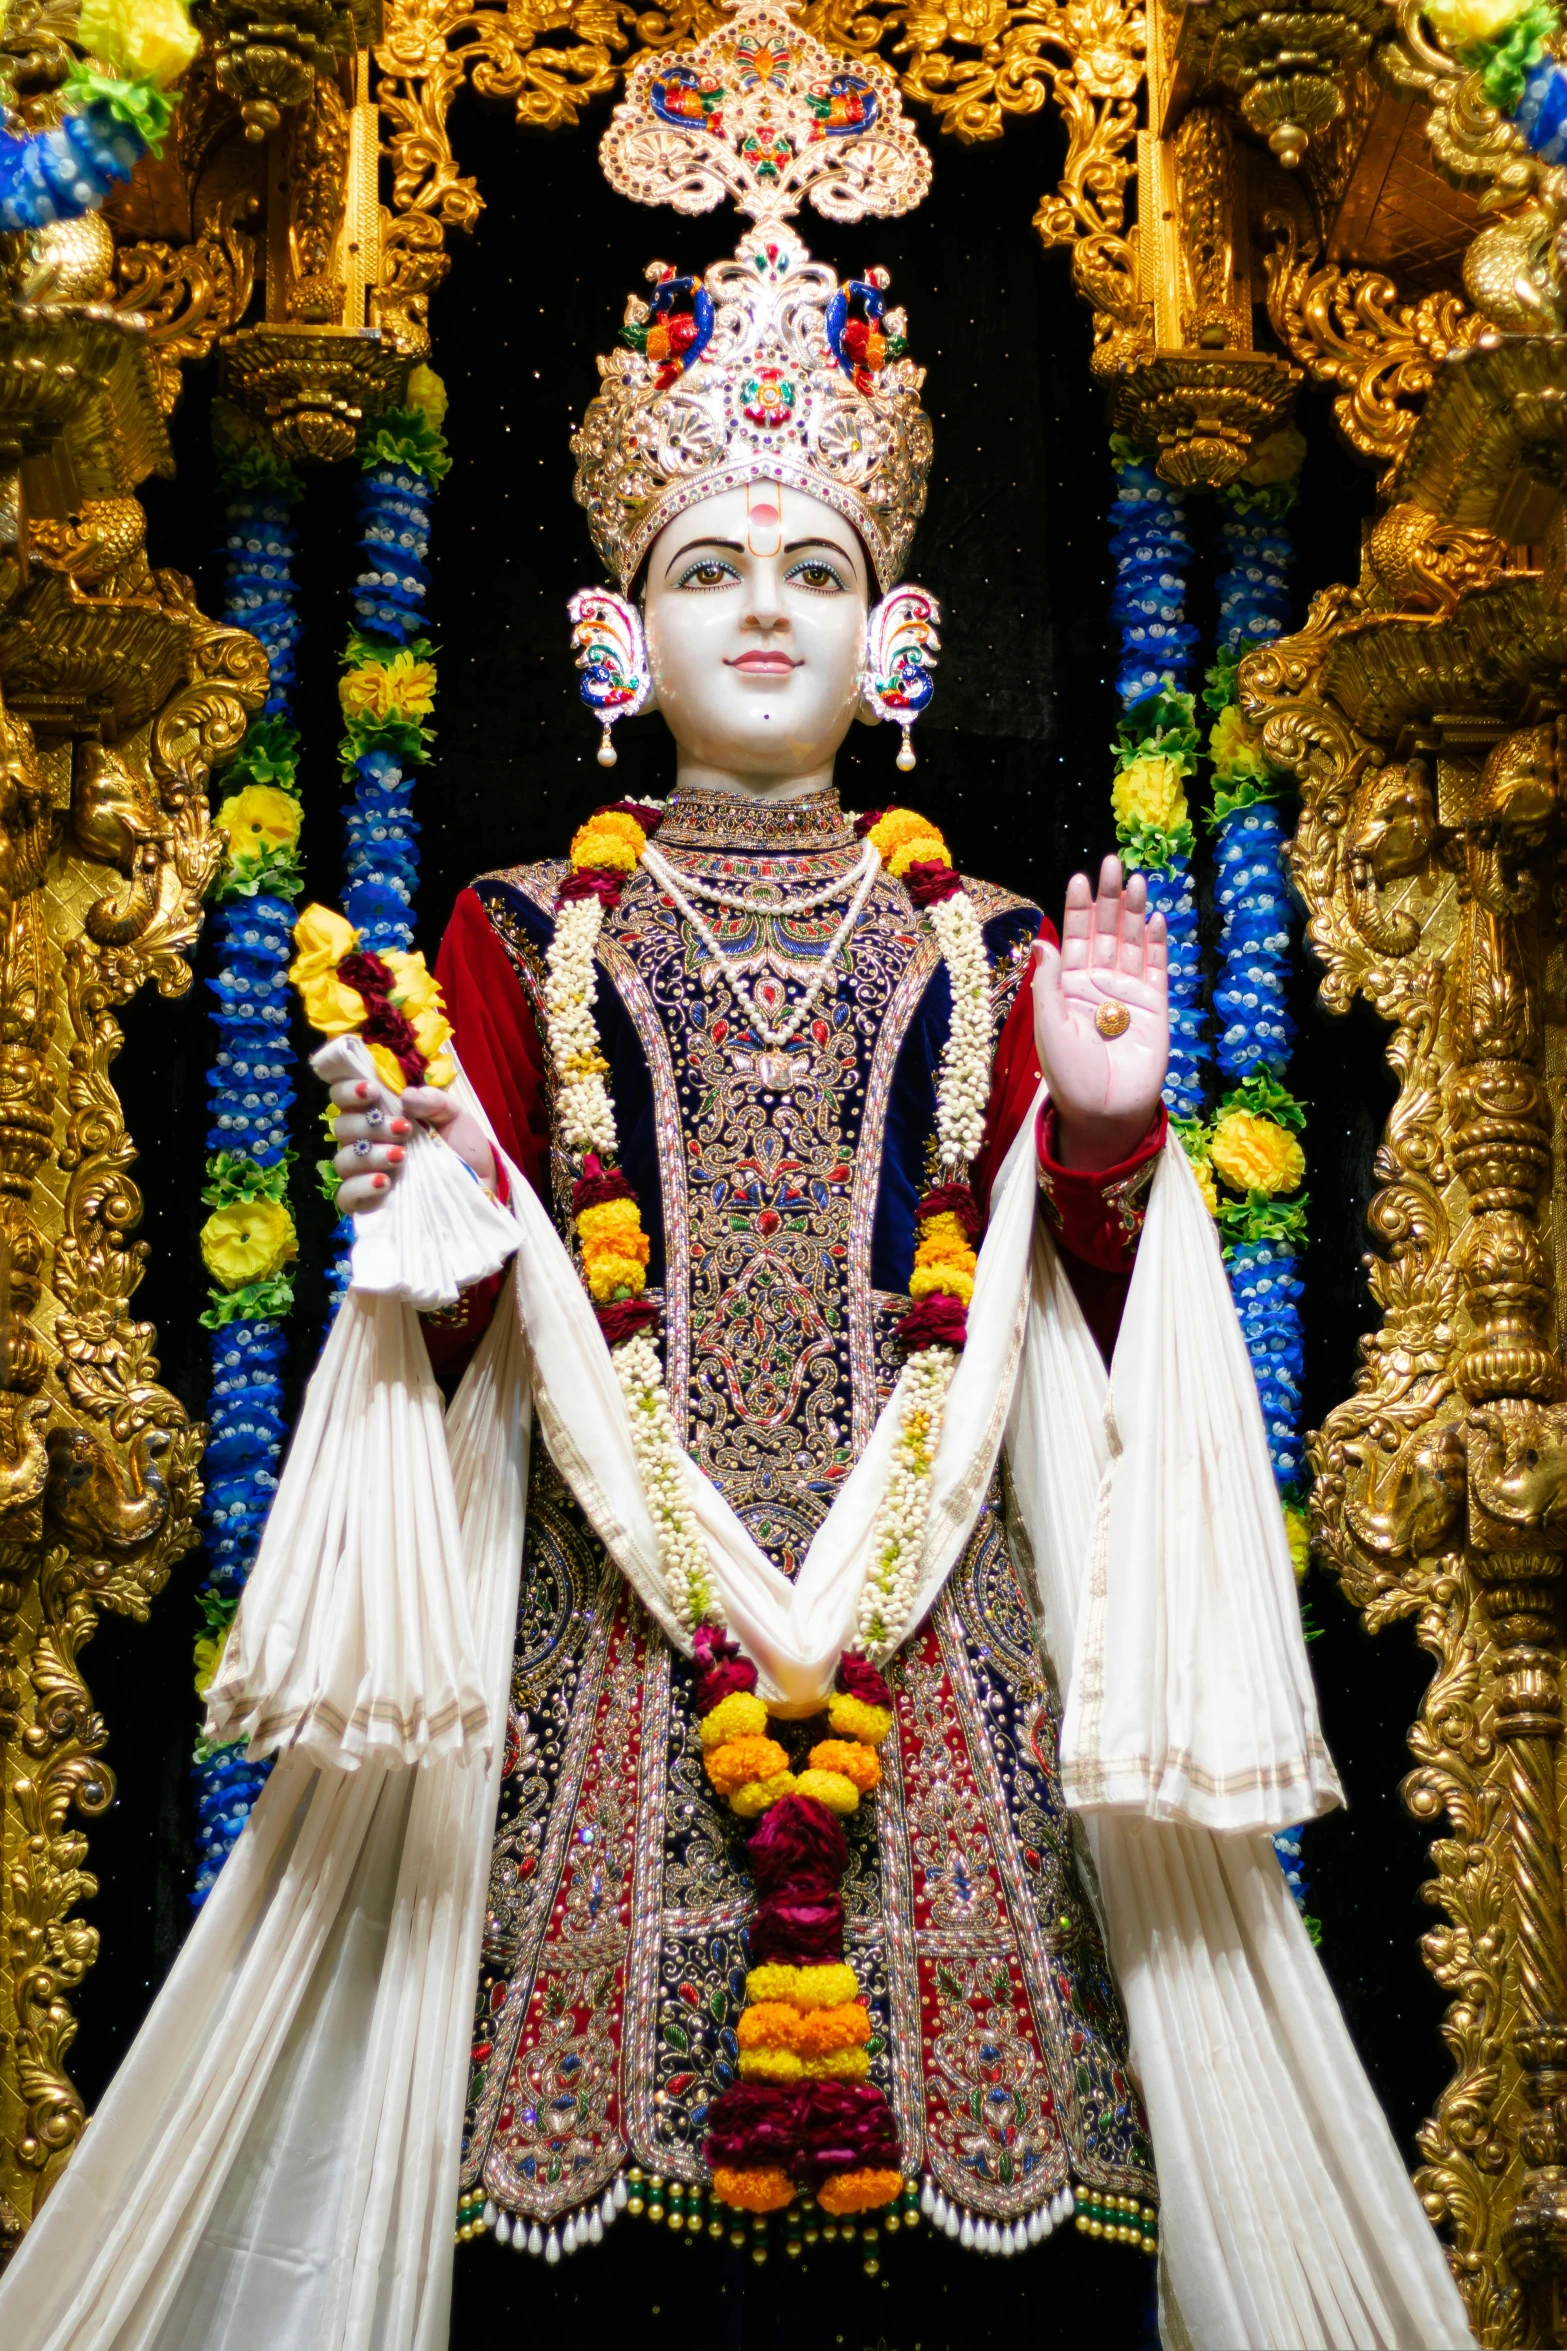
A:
380	1183
396	1156
400	1126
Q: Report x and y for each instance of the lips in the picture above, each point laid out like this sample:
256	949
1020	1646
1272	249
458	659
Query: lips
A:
765	665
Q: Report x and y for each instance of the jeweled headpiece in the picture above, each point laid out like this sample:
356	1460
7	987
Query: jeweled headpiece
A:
767	368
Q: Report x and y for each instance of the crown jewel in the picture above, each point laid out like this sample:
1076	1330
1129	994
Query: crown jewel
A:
767	368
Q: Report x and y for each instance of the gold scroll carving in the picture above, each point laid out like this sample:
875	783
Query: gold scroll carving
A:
118	697
1419	711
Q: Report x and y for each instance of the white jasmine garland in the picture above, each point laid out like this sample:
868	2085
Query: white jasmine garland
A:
583	1107
897	1537
963	1083
682	1551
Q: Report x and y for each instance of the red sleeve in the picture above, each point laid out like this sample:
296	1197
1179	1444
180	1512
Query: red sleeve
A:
498	1044
1095	1217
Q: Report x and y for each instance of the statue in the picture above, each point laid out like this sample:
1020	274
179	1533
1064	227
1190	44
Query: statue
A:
814	1185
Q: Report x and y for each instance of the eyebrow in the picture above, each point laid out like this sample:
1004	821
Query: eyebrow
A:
731	546
819	539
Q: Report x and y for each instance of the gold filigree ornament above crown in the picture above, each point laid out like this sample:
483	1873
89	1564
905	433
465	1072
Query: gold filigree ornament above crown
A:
767	368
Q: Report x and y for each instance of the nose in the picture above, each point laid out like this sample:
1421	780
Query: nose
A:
765	610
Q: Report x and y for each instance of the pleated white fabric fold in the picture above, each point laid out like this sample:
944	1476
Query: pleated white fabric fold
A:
1192	1697
274	2166
354	1637
1286	2214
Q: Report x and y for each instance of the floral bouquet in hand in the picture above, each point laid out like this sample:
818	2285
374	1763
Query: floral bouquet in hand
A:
438	1231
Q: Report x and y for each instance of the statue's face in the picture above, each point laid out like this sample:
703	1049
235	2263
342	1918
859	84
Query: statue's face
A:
755	612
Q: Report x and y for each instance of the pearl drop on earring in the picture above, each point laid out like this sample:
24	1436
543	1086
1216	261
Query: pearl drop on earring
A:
606	754
905	756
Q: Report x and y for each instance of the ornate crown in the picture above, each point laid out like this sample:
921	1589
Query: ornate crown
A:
767	368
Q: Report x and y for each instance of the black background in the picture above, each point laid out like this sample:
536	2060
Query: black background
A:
1015	767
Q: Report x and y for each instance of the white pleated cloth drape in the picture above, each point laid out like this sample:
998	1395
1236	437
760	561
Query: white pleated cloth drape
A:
1286	2215
274	2167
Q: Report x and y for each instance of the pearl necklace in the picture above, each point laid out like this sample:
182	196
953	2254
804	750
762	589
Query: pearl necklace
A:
699	886
664	874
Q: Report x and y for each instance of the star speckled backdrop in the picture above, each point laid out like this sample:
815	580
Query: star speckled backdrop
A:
1014	766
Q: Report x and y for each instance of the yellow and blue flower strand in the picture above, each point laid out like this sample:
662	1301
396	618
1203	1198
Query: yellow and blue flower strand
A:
248	1241
1157	740
387	690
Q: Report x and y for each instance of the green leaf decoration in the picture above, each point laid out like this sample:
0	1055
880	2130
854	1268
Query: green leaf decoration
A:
1266	1098
268	755
365	646
234	1175
1148	848
140	104
1258	1218
1195	1139
1164	720
1503	65
404	737
266	1301
1248	791
276	871
218	1610
329	1181
405	436
1267	501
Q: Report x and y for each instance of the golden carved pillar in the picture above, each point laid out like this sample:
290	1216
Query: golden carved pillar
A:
1418	710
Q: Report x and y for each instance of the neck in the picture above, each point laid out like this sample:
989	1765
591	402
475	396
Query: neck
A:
767	791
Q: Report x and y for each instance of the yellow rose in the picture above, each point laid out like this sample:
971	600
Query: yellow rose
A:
1280	457
1297	1526
136	37
415	987
1255	1154
432	1034
1151	790
332	1007
1231	746
390	1070
427	393
1463	22
258	818
321	940
248	1241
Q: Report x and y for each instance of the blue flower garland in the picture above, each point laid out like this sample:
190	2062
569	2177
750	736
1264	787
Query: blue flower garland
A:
387	692
71	169
1157	740
249	1238
1252	1144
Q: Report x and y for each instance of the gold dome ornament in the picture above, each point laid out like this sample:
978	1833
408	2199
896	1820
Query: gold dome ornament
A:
1112	1019
766	368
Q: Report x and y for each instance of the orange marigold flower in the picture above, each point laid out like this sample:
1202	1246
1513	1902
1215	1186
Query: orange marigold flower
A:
948	1278
772	2024
756	1795
927	848
770	2065
829	1986
739	1760
897	825
849	1757
755	2187
859	2191
821	2030
608	842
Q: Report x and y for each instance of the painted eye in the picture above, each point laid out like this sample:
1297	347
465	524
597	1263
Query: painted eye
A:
709	571
817	574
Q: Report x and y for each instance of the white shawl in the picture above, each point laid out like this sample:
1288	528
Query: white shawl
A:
274	2166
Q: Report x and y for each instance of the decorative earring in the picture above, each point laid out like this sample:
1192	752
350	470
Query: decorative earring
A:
611	653
901	645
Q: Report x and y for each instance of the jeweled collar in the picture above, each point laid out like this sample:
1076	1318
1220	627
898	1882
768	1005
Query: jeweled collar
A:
730	820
